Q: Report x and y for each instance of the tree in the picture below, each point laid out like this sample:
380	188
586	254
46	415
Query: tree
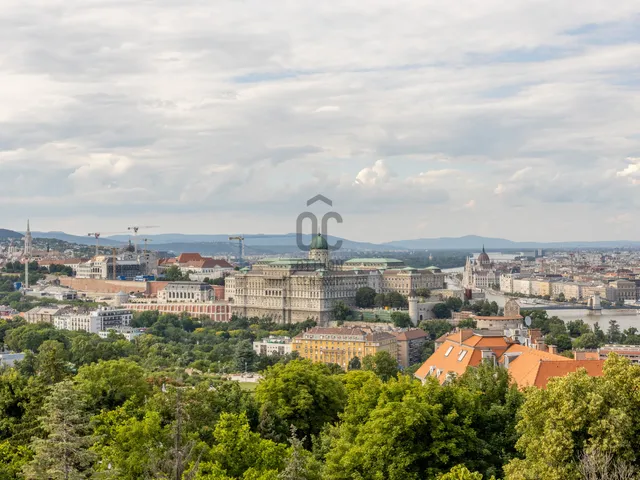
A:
468	323
402	430
109	384
382	364
354	364
440	310
586	341
173	274
380	300
613	333
423	292
454	304
436	328
365	297
561	297
302	394
396	300
576	414
300	465
562	341
51	362
239	451
577	328
64	453
401	319
133	447
244	356
460	472
341	311
600	335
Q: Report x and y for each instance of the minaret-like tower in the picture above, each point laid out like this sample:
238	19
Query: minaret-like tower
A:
413	308
28	242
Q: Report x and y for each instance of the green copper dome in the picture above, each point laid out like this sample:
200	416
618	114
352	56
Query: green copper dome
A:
319	243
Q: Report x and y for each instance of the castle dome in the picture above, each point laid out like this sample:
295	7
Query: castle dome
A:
319	243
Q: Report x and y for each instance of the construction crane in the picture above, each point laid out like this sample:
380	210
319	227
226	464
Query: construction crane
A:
241	238
135	229
145	240
97	236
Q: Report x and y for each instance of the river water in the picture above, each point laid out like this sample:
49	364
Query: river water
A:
626	318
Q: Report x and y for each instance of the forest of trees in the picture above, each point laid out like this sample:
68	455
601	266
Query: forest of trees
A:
83	407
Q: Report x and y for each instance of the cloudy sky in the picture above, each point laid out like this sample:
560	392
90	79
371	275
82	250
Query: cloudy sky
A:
518	119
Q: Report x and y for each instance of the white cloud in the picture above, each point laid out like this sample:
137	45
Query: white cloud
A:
187	106
631	170
378	174
327	108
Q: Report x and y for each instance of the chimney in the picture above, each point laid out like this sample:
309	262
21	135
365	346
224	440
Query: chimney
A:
553	349
465	333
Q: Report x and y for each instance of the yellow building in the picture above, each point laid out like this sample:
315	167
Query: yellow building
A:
340	345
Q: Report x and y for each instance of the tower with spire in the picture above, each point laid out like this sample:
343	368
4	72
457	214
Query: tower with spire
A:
28	241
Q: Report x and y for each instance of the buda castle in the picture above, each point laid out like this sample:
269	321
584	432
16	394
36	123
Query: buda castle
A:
291	290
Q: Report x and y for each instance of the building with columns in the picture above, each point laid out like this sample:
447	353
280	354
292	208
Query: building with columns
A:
294	290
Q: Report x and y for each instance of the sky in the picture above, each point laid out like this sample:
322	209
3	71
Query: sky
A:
516	119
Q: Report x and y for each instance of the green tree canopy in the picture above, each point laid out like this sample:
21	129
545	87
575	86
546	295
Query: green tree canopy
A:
578	414
64	453
302	394
365	297
108	384
382	364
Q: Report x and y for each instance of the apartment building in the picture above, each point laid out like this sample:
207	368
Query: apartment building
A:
340	345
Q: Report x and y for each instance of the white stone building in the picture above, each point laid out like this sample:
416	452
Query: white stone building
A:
480	273
273	345
182	292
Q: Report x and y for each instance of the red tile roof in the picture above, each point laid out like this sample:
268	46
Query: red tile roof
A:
413	334
527	366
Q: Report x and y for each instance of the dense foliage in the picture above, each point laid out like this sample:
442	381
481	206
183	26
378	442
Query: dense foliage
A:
80	406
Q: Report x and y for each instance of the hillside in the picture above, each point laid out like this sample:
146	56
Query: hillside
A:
4	233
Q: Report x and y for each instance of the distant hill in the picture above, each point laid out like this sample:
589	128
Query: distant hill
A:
474	242
78	239
4	233
261	243
284	243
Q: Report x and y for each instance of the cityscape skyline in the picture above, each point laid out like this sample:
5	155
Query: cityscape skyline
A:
211	118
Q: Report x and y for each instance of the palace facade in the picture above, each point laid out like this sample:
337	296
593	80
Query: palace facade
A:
294	290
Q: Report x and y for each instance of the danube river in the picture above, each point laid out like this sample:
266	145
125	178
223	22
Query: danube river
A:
626	318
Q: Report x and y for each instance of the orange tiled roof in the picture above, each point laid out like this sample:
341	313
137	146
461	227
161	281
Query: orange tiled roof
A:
527	366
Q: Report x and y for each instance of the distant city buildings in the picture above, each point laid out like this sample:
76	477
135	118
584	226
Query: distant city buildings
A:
127	264
198	268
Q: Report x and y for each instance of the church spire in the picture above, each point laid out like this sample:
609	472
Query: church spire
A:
28	229
483	248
